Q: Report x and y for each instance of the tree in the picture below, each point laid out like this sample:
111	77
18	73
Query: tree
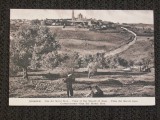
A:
35	61
123	62
35	22
50	60
13	27
151	52
146	62
139	63
45	41
86	59
46	48
69	64
21	50
13	68
112	62
29	40
130	63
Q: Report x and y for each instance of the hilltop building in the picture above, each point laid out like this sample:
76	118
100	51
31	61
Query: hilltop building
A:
80	22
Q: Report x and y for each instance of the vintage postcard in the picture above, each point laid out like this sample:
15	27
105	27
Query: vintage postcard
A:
62	57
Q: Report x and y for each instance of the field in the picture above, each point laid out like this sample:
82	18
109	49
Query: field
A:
140	49
114	82
90	42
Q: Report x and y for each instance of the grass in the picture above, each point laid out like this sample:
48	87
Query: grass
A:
87	35
122	85
91	35
88	47
89	42
114	82
139	50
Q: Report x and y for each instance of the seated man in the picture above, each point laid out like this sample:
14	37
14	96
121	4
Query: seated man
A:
98	93
91	93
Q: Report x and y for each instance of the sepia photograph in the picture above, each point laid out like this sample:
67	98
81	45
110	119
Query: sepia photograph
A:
68	54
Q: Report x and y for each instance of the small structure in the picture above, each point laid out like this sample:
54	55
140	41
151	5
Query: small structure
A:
80	16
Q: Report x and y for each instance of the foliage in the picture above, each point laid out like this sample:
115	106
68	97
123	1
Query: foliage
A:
69	64
116	61
13	69
122	62
45	41
146	61
13	27
35	22
35	61
48	22
50	60
21	46
30	43
86	59
45	48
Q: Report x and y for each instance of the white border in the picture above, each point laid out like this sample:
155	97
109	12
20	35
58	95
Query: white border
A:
118	101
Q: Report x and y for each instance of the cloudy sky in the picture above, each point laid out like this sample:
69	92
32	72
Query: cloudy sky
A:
121	16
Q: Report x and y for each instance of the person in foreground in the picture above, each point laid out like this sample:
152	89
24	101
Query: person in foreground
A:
95	93
69	81
99	92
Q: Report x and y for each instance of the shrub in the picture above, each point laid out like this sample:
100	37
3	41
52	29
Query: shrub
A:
69	64
50	60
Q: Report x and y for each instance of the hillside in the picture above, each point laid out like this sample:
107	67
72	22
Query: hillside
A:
90	42
114	81
139	50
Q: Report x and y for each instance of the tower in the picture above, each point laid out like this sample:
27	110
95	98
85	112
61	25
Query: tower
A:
72	14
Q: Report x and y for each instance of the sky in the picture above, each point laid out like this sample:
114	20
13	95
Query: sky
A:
121	16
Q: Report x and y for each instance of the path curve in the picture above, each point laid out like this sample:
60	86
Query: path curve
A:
124	47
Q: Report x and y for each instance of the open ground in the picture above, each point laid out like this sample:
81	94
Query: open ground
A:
114	82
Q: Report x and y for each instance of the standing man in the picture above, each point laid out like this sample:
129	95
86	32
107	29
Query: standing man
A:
69	80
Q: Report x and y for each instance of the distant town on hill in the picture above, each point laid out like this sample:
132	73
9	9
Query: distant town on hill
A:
84	24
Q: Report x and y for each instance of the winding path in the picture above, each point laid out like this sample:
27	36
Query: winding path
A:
124	47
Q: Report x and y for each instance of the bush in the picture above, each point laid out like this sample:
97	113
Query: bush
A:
123	62
86	59
35	22
65	71
116	61
50	60
69	63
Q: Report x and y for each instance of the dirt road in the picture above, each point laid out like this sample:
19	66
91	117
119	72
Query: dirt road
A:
124	47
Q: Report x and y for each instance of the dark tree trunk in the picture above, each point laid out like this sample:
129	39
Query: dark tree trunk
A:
79	64
25	74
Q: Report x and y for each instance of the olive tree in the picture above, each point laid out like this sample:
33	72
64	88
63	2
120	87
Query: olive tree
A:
69	64
21	50
29	40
